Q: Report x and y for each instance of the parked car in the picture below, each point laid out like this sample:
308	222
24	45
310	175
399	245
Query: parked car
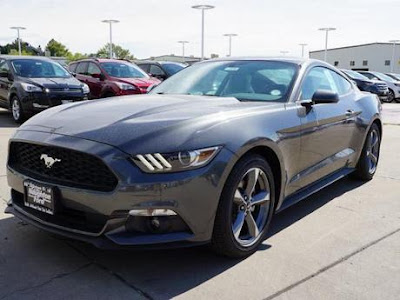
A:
161	69
208	156
29	85
111	77
394	76
393	85
377	87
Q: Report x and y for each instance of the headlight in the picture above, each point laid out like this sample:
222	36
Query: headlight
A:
85	88
30	87
125	86
175	162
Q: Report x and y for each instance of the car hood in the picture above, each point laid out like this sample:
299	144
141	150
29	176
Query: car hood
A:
55	83
141	82
132	122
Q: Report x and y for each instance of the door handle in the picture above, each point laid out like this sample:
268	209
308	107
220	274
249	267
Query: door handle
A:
349	112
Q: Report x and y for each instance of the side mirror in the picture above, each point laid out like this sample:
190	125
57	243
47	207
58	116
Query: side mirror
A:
159	76
73	74
325	97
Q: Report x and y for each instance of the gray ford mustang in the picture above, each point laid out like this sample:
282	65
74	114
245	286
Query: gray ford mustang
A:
207	157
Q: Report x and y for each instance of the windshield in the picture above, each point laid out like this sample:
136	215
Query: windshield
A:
173	68
35	68
395	76
383	77
244	80
123	70
355	75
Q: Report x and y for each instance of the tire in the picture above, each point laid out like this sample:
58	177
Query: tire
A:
368	162
397	100
390	97
16	110
235	209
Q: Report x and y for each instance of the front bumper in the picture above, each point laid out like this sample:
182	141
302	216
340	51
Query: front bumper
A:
193	195
37	102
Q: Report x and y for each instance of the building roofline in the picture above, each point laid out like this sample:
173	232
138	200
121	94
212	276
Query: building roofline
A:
354	46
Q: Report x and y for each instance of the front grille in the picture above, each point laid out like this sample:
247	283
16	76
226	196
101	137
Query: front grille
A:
71	168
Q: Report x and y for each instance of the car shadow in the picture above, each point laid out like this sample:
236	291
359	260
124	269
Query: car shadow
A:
6	120
163	274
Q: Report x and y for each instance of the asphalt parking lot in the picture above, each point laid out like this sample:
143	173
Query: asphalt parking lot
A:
341	243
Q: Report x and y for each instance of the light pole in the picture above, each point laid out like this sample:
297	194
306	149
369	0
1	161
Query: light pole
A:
110	22
183	48
18	28
393	54
326	29
302	48
203	8
230	35
284	52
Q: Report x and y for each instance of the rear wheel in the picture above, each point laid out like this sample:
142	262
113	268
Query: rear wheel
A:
390	97
369	158
17	111
245	209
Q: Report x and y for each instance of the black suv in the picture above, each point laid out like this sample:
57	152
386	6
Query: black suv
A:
160	69
365	84
29	85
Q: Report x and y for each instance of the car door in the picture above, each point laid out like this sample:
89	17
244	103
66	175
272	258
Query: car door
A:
5	83
327	143
95	80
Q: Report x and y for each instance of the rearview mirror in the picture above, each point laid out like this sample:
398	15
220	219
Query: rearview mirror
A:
325	96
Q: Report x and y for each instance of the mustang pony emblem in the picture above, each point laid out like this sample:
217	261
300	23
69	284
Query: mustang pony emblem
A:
48	160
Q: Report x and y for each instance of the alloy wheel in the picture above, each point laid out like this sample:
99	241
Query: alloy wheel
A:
251	205
390	97
373	151
16	109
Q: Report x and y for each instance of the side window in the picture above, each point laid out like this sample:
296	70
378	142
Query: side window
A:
72	67
156	70
93	69
81	68
342	84
144	67
4	68
317	79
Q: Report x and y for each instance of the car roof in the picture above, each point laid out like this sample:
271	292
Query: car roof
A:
101	60
13	57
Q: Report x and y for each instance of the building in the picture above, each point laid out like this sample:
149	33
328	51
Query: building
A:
367	57
176	58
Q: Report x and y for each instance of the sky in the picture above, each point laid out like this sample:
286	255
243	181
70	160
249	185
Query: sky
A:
153	27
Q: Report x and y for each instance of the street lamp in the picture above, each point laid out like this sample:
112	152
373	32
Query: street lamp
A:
393	54
302	48
203	8
326	29
110	22
284	52
183	48
18	28
230	35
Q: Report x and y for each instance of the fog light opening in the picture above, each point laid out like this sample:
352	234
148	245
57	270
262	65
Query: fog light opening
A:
151	212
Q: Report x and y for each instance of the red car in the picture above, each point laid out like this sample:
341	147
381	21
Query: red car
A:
111	77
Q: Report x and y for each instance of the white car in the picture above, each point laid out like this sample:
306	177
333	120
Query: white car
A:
393	84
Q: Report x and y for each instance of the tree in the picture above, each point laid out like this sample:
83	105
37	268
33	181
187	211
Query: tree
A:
12	48
57	49
76	56
118	52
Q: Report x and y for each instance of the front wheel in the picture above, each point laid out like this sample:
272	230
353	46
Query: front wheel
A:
245	209
368	162
17	111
